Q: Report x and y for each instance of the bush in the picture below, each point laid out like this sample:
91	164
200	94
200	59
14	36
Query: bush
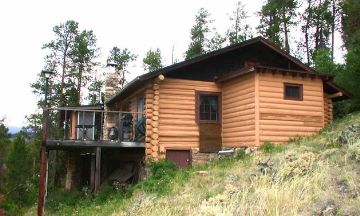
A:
297	165
241	154
354	151
269	147
163	173
20	191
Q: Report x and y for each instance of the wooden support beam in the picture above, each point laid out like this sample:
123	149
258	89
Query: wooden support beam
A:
97	169
42	180
337	94
92	172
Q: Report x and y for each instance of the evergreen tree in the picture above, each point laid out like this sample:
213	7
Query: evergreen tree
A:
198	34
121	58
152	60
83	55
307	17
60	61
239	30
276	17
19	172
350	22
321	22
216	42
319	26
4	143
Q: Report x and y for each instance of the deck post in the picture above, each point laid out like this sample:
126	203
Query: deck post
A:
97	169
92	171
42	180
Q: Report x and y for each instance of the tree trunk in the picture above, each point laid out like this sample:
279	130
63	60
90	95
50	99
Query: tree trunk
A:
321	33
307	33
287	47
333	29
79	84
62	103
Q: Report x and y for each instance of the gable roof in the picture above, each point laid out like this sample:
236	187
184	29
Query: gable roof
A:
140	80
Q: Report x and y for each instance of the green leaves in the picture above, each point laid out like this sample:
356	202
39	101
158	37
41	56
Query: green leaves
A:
198	34
152	60
239	30
122	58
276	17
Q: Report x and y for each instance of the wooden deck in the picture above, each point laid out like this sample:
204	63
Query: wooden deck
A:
75	144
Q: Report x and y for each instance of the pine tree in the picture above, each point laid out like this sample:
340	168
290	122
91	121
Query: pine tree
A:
83	55
4	144
121	58
350	23
19	173
152	60
276	17
239	30
216	42
198	34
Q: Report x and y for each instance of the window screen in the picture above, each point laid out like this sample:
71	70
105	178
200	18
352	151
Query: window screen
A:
293	91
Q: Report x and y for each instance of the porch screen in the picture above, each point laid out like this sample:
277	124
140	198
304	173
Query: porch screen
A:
86	125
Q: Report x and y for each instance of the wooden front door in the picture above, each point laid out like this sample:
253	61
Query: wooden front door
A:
182	158
210	137
208	117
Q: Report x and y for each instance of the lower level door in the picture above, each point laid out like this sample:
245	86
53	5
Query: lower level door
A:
182	158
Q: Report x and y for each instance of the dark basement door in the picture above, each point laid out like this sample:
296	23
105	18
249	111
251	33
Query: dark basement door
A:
182	158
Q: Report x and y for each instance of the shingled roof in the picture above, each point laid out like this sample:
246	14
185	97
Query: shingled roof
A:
140	80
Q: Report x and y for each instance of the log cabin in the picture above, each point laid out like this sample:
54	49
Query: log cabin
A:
239	96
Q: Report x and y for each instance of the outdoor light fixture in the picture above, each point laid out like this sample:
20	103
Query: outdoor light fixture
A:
47	74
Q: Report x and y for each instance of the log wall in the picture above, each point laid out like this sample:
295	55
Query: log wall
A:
177	125
238	112
152	122
328	109
282	119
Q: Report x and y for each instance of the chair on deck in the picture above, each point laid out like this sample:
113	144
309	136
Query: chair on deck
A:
140	130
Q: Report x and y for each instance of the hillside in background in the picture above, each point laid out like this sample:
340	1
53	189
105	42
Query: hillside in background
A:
318	175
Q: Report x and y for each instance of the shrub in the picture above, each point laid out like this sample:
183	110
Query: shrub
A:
354	151
163	173
269	147
241	154
350	134
297	165
20	192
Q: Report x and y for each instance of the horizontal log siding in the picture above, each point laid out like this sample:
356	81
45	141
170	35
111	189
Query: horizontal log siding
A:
283	119
238	112
177	125
328	108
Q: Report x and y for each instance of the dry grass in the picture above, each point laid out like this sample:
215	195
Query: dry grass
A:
309	176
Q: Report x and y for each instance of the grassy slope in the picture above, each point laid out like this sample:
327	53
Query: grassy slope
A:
309	176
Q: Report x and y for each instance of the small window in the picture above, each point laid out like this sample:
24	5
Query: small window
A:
293	91
208	107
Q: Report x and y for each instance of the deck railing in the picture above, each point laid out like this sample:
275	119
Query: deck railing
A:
95	124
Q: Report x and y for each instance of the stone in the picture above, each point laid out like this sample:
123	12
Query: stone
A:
202	173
